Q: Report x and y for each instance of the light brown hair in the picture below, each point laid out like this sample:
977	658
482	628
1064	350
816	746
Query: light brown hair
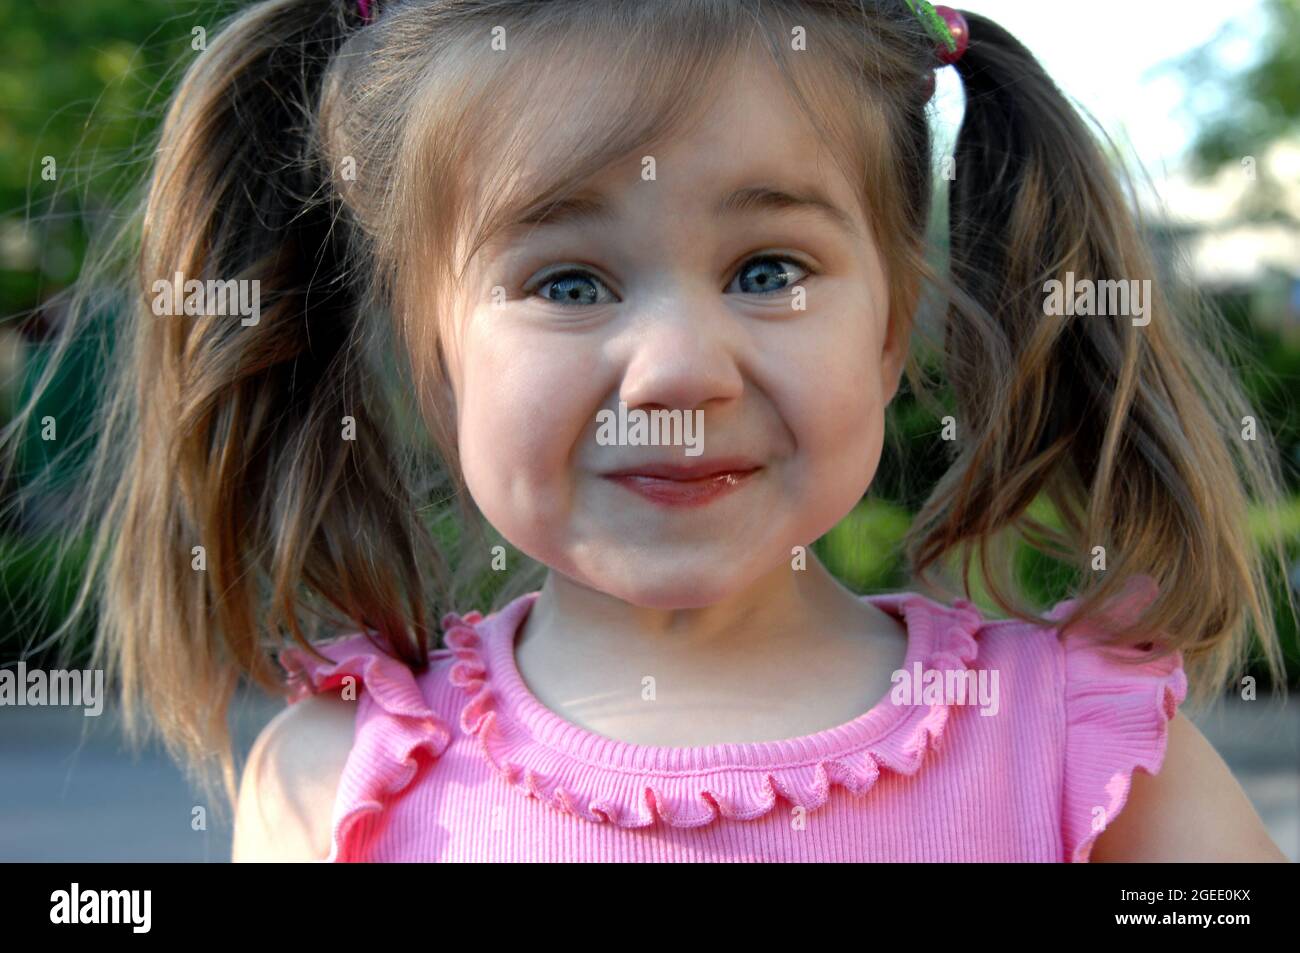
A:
353	169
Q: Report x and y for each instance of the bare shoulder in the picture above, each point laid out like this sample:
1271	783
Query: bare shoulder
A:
287	791
1193	810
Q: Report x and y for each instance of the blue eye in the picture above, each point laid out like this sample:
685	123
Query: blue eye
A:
767	273
572	288
762	275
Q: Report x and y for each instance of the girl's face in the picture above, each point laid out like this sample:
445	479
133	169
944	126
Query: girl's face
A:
681	293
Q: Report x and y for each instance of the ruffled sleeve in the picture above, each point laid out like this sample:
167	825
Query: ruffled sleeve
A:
394	721
1117	713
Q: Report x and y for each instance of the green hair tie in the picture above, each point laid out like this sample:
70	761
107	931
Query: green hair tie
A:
941	27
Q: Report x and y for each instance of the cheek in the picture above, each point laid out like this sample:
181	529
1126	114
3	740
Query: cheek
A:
521	408
836	406
842	419
838	362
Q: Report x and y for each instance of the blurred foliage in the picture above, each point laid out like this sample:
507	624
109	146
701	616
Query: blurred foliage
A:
1270	374
38	587
70	401
864	548
82	83
1260	104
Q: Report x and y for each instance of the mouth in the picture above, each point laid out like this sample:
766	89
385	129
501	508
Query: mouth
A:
685	484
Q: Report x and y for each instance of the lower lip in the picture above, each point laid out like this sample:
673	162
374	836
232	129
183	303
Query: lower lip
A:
685	492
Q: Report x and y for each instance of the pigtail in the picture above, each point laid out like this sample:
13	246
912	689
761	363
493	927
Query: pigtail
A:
1129	424
244	462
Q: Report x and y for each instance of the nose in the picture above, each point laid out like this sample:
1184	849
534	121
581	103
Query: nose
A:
681	356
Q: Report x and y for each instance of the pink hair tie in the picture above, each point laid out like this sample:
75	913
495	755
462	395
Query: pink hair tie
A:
364	8
950	32
959	32
946	26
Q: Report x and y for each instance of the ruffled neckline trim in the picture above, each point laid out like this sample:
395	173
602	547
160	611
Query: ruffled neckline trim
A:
604	780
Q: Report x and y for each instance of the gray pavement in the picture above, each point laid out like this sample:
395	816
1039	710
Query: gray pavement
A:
69	797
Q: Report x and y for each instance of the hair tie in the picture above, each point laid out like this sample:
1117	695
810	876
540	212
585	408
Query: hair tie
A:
365	9
946	25
958	33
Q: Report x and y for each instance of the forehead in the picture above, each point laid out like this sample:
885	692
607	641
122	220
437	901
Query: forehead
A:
595	127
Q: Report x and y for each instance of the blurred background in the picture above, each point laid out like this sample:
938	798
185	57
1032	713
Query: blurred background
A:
1203	97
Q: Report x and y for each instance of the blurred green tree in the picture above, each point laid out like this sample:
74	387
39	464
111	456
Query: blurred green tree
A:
81	88
1258	105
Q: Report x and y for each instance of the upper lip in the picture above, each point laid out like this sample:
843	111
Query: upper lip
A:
697	470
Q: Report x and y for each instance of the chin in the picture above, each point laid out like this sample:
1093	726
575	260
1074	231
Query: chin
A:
673	586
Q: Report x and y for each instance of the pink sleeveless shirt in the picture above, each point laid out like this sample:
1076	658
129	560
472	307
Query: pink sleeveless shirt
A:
463	763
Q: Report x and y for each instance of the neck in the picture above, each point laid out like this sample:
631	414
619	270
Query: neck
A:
770	610
793	647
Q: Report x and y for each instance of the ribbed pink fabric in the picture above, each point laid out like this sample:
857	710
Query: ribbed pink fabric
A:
463	763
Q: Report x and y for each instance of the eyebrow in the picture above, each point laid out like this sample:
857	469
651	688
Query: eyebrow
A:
594	209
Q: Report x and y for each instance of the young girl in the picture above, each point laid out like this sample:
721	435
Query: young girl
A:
552	213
